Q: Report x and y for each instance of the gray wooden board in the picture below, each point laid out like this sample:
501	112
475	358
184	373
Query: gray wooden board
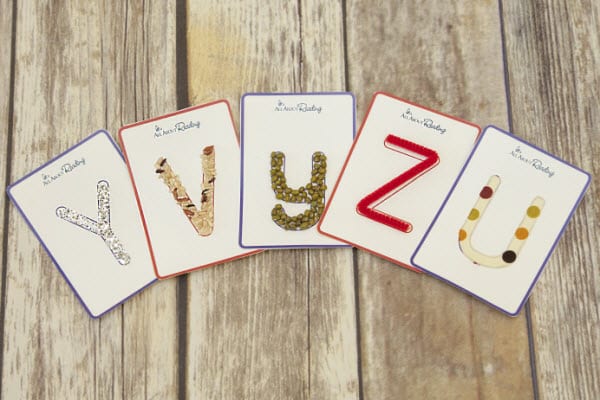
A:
419	337
6	26
555	105
79	69
280	324
283	324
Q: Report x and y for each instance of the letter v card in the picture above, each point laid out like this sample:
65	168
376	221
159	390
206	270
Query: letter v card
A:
501	220
81	207
185	169
293	148
400	168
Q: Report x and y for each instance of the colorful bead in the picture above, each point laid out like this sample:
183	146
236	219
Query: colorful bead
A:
518	240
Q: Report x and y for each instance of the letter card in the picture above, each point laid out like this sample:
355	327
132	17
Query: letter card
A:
293	148
501	220
185	168
81	207
402	164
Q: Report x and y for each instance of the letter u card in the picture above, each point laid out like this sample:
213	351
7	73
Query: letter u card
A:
501	220
293	148
402	164
185	168
81	207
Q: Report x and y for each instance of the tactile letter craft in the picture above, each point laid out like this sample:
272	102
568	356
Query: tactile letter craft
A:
185	168
502	220
81	207
397	174
293	148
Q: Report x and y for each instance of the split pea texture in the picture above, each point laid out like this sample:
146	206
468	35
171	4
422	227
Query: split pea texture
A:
313	193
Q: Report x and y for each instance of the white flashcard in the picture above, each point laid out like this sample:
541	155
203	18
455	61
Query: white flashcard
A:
293	148
396	176
81	207
501	220
185	169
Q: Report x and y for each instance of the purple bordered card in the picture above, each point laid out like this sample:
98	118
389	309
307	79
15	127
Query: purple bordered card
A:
82	208
501	220
293	148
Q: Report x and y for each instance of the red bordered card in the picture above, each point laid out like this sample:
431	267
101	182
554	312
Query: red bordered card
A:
185	169
396	176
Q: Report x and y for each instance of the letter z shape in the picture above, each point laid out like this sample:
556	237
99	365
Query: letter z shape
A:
427	160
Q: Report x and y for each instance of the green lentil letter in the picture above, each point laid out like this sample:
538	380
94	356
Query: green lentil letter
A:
313	193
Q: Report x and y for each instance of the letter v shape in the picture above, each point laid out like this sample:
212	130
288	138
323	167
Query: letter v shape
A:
203	219
101	227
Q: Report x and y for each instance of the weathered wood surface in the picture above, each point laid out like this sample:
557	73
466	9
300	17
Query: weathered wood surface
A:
279	325
553	53
80	67
419	337
6	26
319	324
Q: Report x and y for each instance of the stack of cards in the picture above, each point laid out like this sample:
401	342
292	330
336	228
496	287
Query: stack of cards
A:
479	210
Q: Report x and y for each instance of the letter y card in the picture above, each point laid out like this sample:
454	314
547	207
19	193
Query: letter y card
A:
81	207
293	148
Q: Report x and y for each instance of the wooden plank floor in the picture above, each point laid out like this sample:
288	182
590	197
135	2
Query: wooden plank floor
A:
299	324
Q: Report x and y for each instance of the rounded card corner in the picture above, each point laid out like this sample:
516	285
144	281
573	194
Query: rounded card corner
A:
100	132
223	101
244	246
162	277
243	98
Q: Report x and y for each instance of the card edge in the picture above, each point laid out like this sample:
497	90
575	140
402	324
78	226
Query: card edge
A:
542	267
9	189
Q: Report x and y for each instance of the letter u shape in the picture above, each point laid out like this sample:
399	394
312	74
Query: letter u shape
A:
509	256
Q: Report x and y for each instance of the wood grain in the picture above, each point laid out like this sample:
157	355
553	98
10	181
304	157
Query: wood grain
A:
419	337
555	105
279	325
6	26
283	324
247	334
333	352
46	329
79	68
